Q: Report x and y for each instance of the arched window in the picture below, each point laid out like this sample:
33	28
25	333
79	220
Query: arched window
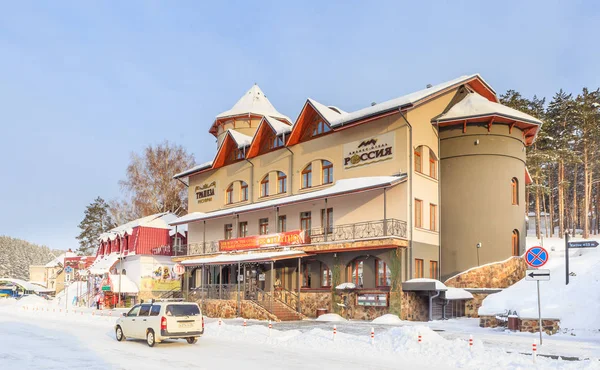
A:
383	274
432	164
327	172
244	192
325	276
229	194
355	270
515	191
281	182
264	186
515	243
307	177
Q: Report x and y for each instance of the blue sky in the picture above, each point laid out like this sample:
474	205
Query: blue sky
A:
85	83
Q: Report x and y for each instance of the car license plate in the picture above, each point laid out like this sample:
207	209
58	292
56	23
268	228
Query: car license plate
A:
186	324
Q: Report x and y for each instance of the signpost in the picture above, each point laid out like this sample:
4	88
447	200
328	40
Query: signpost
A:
537	257
569	245
68	269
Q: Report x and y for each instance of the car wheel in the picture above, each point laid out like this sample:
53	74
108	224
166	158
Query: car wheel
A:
192	340
150	338
119	334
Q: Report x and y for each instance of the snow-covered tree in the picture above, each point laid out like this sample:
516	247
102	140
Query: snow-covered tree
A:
96	221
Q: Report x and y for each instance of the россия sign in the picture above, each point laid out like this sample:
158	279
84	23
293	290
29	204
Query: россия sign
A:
257	241
369	150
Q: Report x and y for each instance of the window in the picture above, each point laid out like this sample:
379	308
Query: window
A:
145	310
432	217
237	154
320	128
264	186
306	275
307	177
228	231
327	172
383	273
281	182
282	224
243	229
154	310
327	220
515	243
515	191
134	311
244	192
356	272
263	226
418	213
305	221
418	163
277	142
325	276
433	269
229	194
418	268
432	164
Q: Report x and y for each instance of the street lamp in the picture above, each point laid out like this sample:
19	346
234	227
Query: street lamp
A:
478	247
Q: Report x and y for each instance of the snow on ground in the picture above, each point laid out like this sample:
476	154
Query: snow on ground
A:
45	339
330	317
577	305
389	319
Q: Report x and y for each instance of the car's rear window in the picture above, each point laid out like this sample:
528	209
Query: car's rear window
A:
182	310
155	310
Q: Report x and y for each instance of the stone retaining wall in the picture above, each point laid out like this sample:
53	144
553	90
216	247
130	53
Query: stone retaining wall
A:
414	307
494	275
311	301
550	326
227	309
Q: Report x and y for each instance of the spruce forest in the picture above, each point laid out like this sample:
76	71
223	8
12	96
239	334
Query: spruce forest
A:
564	162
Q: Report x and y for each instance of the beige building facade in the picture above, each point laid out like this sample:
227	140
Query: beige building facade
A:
288	211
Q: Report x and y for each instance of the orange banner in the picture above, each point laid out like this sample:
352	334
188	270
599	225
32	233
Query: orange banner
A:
258	241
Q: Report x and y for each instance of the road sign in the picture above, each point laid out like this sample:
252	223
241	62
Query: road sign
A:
69	269
536	257
106	288
179	269
537	275
586	244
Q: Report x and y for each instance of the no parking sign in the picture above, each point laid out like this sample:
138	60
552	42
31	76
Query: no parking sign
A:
536	257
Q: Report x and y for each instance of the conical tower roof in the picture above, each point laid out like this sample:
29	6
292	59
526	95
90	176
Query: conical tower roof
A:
253	101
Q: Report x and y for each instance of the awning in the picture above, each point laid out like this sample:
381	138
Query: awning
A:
102	265
456	294
126	284
423	285
228	259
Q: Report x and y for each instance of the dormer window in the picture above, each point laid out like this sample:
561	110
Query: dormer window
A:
320	128
237	154
277	142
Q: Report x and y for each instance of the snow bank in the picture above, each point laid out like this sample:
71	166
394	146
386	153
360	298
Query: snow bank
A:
77	288
343	286
387	319
330	317
7	301
576	305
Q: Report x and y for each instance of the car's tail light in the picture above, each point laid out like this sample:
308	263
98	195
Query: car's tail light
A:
163	323
203	323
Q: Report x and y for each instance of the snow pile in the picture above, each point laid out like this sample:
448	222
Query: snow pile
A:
387	319
7	301
32	300
330	317
77	288
576	305
343	286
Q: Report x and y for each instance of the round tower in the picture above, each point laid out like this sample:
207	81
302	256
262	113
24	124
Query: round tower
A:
482	177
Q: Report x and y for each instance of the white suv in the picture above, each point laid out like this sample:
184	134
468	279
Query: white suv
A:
161	320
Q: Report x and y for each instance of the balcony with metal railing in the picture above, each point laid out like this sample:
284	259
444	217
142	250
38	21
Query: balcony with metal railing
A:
391	228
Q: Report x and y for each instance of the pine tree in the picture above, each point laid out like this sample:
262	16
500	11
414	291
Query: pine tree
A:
96	221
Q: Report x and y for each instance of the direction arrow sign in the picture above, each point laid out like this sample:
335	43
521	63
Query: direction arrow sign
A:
587	244
537	275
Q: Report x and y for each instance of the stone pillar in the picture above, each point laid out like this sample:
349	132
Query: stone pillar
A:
396	288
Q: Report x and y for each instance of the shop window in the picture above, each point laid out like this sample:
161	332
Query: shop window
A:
282	224
515	243
432	164
355	272
243	229
327	220
325	276
418	213
327	172
307	177
263	226
305	221
228	231
515	191
281	182
306	275
264	186
244	192
432	217
383	274
418	268
229	194
418	161
433	270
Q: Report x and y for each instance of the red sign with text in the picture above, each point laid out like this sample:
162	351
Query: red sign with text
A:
258	241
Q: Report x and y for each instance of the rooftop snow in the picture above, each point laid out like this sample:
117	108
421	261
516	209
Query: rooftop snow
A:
194	169
278	126
253	101
340	187
475	105
245	257
329	114
125	286
457	293
158	221
399	102
24	284
103	264
421	284
240	139
60	260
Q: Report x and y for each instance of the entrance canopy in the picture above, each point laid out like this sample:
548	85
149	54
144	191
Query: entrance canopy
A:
423	285
228	259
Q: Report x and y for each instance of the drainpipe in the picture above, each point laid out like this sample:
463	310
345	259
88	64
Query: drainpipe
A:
431	298
251	178
291	187
410	194
439	207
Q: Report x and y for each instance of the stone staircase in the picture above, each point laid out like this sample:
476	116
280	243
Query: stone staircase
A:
285	313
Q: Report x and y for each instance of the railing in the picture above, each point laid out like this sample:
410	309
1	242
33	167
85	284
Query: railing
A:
357	231
287	297
264	299
195	249
215	291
